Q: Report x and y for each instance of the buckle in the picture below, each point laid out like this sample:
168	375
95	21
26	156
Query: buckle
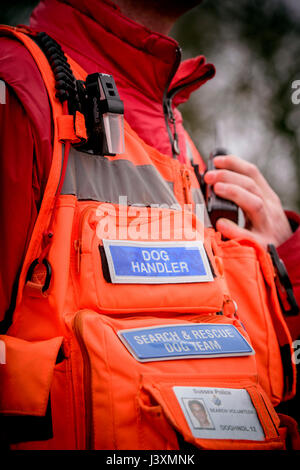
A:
39	276
284	286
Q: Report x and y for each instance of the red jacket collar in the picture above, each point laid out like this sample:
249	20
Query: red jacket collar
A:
146	58
98	37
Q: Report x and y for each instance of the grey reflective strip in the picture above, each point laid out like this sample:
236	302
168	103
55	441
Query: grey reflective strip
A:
97	178
198	198
2	92
196	192
189	151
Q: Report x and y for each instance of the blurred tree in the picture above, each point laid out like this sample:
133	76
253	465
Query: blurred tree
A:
255	46
16	11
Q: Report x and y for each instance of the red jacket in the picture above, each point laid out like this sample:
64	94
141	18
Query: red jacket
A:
146	68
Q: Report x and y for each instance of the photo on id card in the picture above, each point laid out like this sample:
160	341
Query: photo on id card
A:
198	413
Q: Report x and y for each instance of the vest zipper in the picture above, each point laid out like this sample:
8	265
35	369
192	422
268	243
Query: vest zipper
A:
168	98
173	136
87	380
186	181
78	241
167	107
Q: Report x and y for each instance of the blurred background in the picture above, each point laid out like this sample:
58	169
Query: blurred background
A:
255	47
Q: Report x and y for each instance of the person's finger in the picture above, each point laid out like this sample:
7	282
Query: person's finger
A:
230	177
231	230
238	165
252	205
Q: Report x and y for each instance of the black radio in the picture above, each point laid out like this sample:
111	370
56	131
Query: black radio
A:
218	207
103	110
97	98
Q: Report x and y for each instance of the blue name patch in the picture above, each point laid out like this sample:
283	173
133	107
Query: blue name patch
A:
183	341
157	262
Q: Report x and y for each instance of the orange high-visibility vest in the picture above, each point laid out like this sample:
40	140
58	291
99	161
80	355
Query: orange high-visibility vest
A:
76	352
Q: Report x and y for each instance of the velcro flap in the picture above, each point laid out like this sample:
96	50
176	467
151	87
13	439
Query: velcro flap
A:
80	128
71	129
26	375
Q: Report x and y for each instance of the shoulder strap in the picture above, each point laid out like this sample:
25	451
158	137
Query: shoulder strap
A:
48	202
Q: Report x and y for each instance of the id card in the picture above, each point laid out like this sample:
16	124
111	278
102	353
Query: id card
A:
219	413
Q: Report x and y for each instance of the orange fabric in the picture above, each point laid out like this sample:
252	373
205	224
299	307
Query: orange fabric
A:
144	399
54	175
254	269
71	129
290	427
138	298
29	371
80	129
161	390
100	392
66	129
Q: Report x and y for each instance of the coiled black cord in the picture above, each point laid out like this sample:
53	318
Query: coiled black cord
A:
65	82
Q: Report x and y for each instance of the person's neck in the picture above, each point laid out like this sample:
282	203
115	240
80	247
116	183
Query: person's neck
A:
148	15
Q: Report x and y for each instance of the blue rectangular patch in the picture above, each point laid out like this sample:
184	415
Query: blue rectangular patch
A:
205	340
157	262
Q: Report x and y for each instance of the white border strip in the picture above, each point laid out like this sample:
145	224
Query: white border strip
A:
117	279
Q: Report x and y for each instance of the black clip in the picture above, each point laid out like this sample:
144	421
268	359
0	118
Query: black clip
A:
283	284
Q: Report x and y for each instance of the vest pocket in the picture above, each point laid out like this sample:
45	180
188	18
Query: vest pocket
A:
119	411
94	267
218	413
246	264
34	395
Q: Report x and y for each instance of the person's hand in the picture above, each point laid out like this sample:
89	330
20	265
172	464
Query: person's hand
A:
241	182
